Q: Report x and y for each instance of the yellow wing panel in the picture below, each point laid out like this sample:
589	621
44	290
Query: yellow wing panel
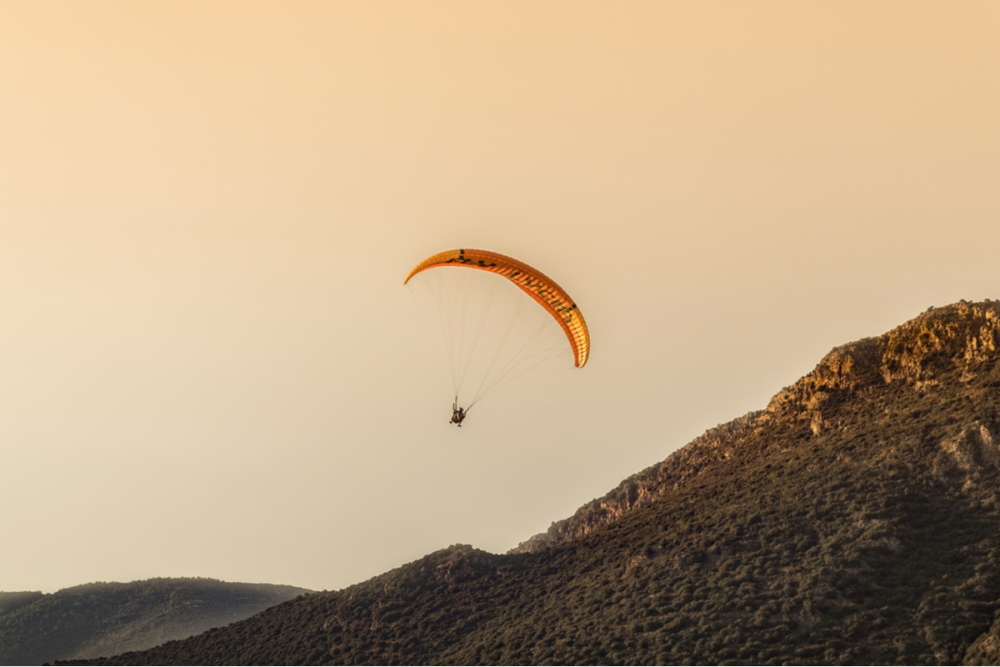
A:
534	283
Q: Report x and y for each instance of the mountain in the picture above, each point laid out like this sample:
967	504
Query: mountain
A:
108	618
951	345
854	520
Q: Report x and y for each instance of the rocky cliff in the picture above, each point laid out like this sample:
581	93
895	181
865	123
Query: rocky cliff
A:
962	337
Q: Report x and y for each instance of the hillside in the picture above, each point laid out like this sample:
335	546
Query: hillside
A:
852	521
108	618
919	355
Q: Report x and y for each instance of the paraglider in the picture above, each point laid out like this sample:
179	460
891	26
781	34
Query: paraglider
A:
520	338
457	414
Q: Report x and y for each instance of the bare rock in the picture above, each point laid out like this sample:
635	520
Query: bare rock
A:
961	337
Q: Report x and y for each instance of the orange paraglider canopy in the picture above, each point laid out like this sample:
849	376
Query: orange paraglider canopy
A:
534	283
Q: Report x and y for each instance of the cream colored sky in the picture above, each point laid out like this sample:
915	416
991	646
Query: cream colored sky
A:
209	365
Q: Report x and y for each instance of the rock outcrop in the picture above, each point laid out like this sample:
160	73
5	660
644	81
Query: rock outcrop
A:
961	338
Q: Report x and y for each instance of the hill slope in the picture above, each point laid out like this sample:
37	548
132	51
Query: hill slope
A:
852	521
107	618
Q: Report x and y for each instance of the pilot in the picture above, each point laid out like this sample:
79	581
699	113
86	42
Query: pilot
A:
457	414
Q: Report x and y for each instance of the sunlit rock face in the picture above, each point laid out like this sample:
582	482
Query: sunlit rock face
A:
935	353
971	454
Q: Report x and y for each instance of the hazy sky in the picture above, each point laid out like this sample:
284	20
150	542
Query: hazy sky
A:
209	365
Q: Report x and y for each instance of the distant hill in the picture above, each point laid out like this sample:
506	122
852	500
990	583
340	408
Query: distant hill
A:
109	618
855	520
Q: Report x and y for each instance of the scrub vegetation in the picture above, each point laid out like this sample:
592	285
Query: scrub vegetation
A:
854	521
106	618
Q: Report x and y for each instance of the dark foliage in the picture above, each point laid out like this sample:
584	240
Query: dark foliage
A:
11	601
855	521
106	618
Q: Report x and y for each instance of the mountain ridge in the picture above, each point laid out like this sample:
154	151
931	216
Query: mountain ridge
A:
915	352
851	521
